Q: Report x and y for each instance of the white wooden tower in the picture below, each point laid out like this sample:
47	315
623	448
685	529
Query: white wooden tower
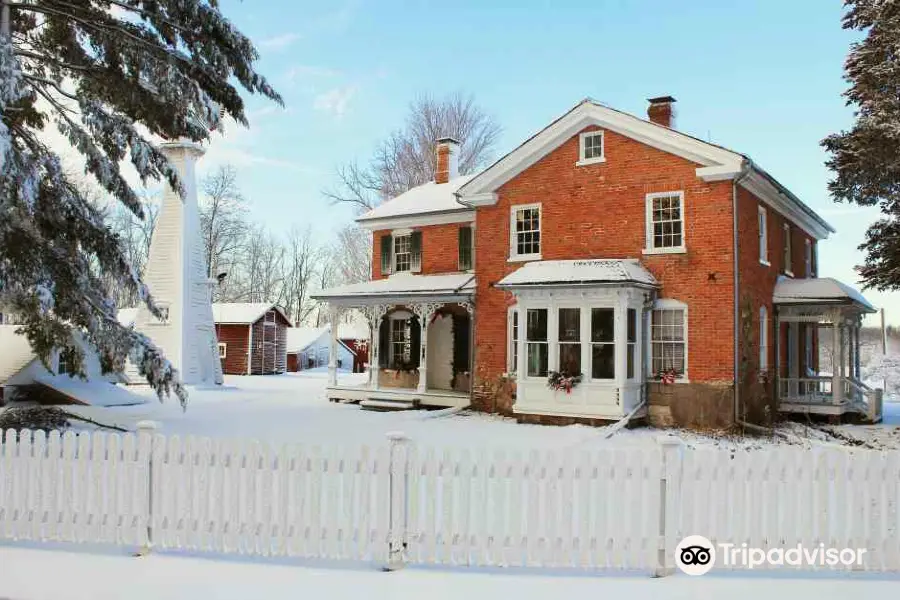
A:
177	278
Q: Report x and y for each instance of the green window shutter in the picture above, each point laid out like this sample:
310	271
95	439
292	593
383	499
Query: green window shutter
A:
465	248
415	250
387	243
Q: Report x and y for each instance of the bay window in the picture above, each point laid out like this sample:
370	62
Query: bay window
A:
631	349
569	341
603	346
512	351
537	350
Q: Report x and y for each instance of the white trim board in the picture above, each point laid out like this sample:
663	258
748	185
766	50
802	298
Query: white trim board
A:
418	220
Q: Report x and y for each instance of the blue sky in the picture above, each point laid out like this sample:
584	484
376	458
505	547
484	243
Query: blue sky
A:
763	78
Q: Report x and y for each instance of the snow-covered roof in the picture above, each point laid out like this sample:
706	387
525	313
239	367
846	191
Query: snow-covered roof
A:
568	272
243	313
818	290
402	285
299	338
94	392
427	198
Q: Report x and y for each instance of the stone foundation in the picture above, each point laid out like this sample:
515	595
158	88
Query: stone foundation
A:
565	420
691	405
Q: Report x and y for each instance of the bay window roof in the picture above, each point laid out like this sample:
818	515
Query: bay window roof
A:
579	272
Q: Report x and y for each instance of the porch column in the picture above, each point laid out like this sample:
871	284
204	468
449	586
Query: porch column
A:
373	314
837	359
620	339
857	374
424	311
333	314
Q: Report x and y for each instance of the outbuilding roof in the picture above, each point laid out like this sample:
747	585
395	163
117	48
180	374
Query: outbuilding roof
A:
569	272
243	313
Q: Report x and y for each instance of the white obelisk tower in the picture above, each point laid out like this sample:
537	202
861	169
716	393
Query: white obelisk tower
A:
177	278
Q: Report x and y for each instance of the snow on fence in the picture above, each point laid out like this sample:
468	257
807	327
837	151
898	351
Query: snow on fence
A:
598	509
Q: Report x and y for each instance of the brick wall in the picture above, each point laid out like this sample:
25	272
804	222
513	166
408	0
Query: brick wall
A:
235	338
598	211
440	249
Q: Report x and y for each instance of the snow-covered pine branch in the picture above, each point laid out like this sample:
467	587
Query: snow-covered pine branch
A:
172	66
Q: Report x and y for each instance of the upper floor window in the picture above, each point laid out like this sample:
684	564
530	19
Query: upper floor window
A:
788	254
525	232
465	248
808	259
763	237
401	252
591	148
665	222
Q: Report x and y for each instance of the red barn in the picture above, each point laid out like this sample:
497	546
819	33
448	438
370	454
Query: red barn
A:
252	337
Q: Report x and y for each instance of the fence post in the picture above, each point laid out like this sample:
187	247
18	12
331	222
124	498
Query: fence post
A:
398	495
669	483
146	433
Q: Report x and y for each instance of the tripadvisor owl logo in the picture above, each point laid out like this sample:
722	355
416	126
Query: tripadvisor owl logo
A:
695	555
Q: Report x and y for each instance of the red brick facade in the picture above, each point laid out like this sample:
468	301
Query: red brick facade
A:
598	210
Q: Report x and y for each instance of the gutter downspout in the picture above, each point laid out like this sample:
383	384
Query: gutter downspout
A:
746	168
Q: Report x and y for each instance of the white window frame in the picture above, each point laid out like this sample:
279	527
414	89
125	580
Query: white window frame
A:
513	235
648	219
763	339
788	252
589	368
762	225
808	350
223	350
512	341
394	317
807	258
559	344
395	240
582	160
547	343
669	304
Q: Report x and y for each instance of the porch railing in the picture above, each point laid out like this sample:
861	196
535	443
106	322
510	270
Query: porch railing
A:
806	390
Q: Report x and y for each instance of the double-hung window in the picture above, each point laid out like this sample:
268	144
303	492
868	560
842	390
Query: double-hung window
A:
536	342
603	343
401	342
465	248
665	222
763	338
402	253
668	339
569	341
525	232
788	253
512	351
763	236
590	148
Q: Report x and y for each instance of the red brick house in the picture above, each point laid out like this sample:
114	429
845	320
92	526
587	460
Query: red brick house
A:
252	337
655	265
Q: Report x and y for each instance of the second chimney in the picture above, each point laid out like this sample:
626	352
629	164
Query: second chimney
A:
661	111
447	160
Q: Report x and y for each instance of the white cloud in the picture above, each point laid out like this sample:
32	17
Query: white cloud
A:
335	101
278	42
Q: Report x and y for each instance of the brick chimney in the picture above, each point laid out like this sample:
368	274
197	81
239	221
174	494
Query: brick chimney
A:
661	111
447	160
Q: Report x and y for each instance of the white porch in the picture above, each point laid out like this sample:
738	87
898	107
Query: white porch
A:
587	318
821	310
420	336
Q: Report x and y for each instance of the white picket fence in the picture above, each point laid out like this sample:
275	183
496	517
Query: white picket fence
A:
399	502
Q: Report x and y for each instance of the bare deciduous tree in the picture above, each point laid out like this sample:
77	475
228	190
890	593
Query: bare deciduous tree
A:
352	259
407	157
302	261
223	225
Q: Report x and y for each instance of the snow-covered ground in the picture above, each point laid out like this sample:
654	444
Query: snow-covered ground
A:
292	408
80	576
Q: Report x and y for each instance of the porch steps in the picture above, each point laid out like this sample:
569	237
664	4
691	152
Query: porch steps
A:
388	405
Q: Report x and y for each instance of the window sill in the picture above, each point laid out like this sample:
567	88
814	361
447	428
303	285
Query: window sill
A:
523	257
765	263
678	250
590	161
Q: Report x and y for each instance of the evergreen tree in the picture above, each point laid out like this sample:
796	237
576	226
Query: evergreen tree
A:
96	70
866	159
